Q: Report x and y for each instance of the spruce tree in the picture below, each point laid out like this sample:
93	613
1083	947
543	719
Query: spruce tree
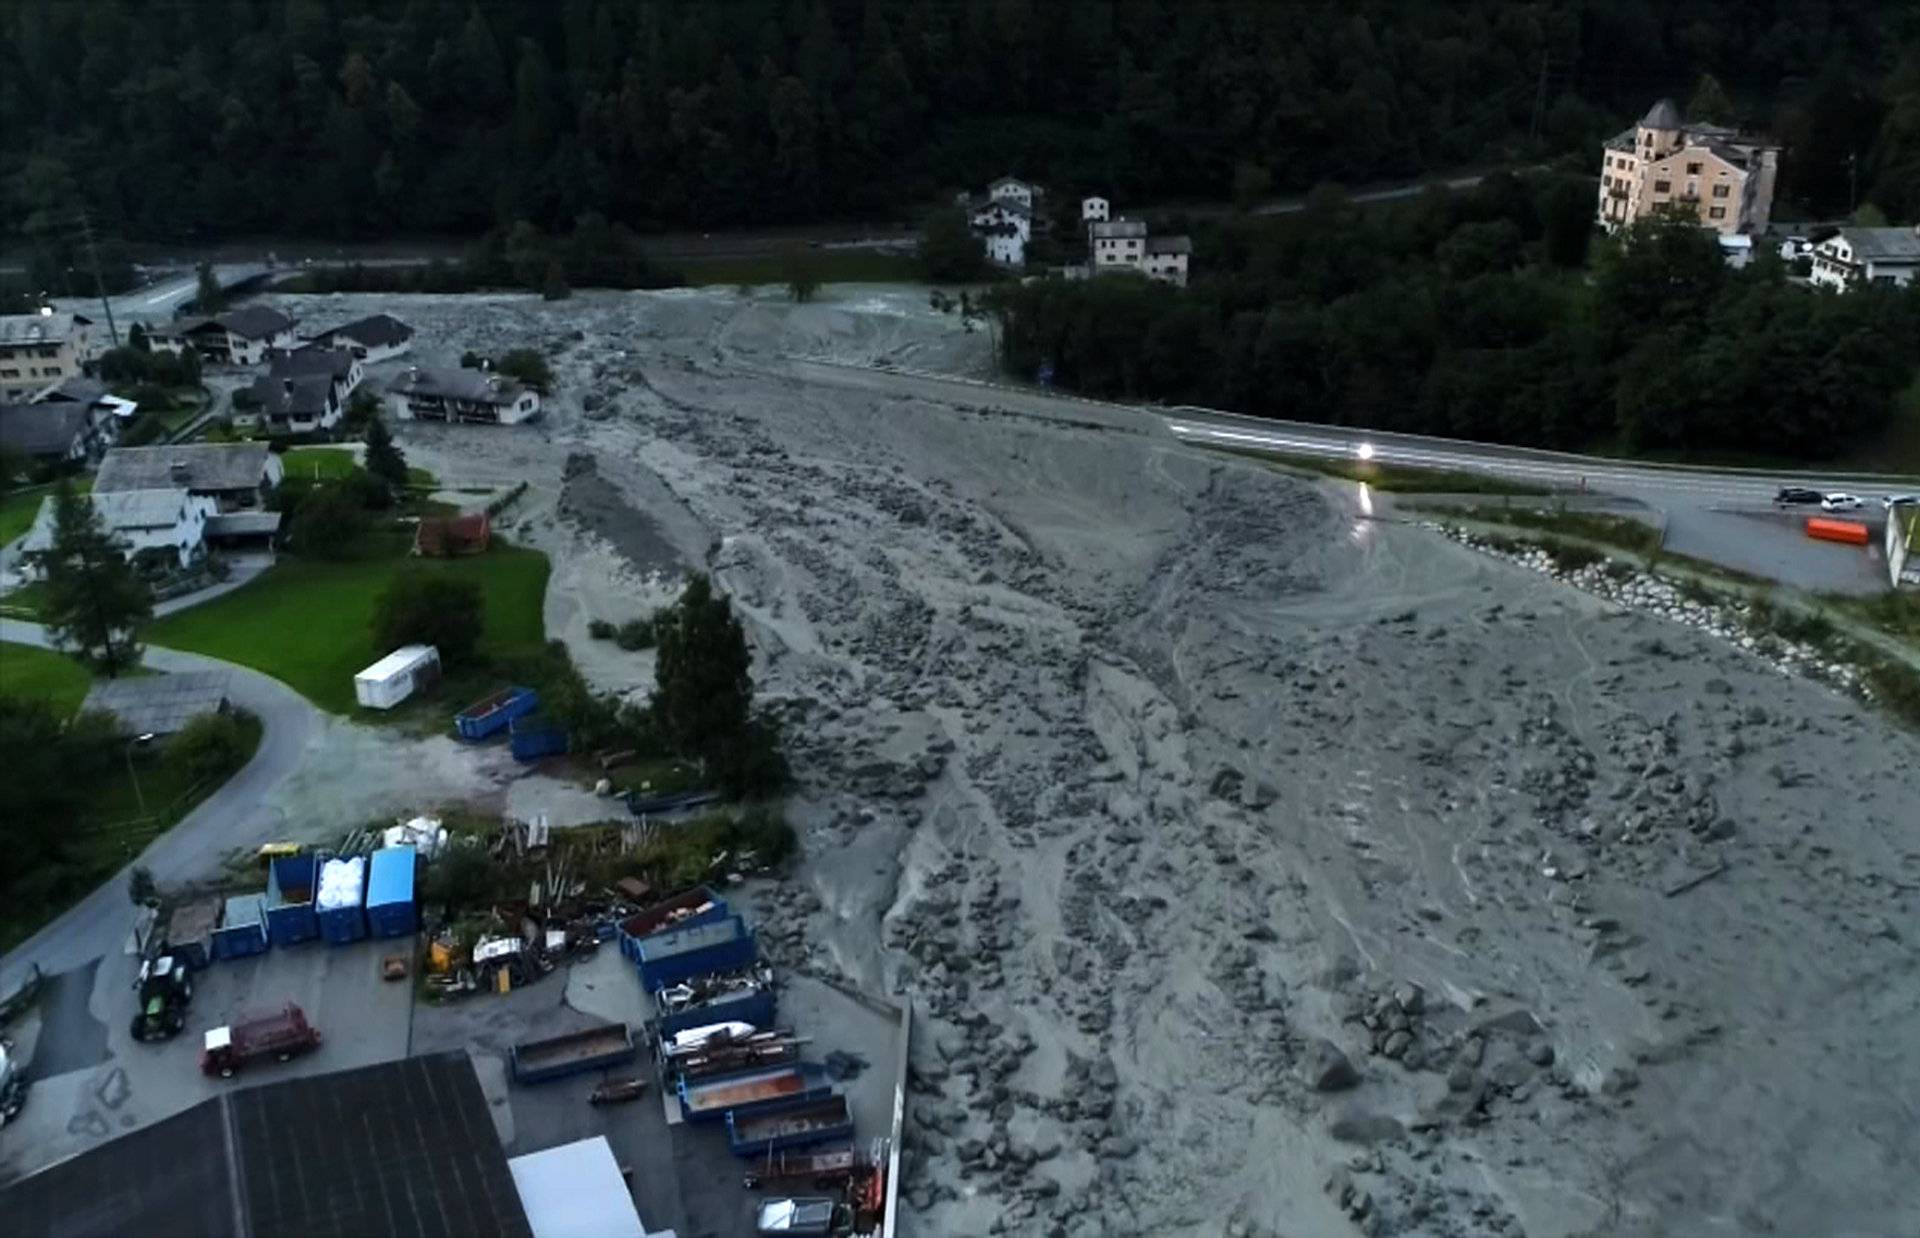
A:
95	601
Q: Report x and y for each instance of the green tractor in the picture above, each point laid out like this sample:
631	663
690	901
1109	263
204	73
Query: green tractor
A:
165	990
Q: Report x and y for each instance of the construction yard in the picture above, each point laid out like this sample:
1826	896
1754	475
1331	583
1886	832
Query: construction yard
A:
1252	866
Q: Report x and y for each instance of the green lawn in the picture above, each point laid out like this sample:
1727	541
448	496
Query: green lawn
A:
308	623
18	507
41	673
831	266
333	463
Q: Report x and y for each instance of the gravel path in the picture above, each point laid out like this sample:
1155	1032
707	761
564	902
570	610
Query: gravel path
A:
1257	868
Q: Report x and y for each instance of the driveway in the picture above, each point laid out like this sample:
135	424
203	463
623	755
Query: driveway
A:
101	921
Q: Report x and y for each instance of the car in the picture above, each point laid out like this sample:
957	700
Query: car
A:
1797	494
1839	503
1895	500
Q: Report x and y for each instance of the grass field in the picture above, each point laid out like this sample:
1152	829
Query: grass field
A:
831	266
18	507
42	674
333	463
308	623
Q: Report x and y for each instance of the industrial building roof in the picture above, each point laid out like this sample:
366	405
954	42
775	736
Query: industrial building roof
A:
405	1149
576	1191
159	704
203	466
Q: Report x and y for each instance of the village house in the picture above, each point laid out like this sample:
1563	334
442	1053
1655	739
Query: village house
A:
1719	176
236	476
1095	210
460	395
237	337
1004	220
39	349
1166	259
1854	256
161	531
1117	243
303	390
378	338
62	432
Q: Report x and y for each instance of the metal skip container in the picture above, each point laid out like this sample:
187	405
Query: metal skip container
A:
341	899
391	910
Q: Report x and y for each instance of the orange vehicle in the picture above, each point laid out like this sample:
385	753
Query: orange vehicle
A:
1849	532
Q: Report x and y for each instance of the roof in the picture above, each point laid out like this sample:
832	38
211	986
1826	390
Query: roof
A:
378	331
1008	180
1111	229
77	390
308	395
311	360
1662	115
254	322
1883	244
207	466
576	1191
39	328
141	509
475	386
42	429
1169	245
399	660
160	704
405	1149
242	524
1012	206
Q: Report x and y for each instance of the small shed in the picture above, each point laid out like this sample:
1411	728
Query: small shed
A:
390	903
243	928
159	704
397	676
442	537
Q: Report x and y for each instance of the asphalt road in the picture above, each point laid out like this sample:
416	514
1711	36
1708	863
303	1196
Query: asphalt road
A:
101	921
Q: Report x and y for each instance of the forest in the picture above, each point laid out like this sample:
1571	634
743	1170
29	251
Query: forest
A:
1483	315
175	122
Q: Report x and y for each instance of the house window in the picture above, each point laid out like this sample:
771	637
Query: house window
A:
1719	191
1693	169
1662	186
1718	212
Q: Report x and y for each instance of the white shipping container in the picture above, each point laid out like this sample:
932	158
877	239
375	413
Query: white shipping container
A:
393	678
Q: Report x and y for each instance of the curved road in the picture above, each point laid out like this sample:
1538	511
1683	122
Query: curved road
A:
100	922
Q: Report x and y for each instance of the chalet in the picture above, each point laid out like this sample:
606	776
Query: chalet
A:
63	432
1854	256
236	476
373	339
237	337
461	395
294	405
162	530
43	348
1005	219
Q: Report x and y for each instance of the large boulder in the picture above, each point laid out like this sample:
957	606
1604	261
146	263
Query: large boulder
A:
1325	1068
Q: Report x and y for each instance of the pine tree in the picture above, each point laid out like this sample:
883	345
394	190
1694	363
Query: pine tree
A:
207	297
702	693
95	601
384	458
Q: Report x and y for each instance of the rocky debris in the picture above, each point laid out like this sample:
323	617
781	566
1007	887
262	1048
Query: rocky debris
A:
1325	1068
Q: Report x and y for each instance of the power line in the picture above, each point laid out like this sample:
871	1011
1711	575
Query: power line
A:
99	283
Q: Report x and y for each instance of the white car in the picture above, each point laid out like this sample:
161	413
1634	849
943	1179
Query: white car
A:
1839	503
1894	500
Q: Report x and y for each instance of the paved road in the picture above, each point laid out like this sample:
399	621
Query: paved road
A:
100	922
1725	515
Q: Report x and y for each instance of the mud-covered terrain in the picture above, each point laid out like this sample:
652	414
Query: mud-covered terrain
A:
1256	868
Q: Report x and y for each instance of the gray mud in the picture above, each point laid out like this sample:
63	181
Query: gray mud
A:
1253	868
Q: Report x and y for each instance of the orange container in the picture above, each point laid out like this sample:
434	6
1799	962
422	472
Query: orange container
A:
1852	532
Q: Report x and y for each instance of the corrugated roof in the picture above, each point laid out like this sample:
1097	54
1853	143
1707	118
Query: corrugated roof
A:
160	704
405	1149
209	466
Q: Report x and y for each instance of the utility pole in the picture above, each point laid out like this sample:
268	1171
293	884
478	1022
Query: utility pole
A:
99	284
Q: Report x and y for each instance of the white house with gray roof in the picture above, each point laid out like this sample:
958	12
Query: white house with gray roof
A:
163	528
237	337
236	476
1867	256
462	395
37	350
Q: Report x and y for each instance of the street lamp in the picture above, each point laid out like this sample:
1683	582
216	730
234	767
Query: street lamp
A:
139	797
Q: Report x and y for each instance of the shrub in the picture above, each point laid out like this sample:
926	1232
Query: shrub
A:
419	608
211	746
329	520
635	634
601	629
460	876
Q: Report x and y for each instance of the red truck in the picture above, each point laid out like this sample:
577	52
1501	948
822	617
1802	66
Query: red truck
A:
280	1035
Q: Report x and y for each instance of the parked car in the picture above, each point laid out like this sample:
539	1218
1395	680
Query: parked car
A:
1790	495
1839	503
1894	500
